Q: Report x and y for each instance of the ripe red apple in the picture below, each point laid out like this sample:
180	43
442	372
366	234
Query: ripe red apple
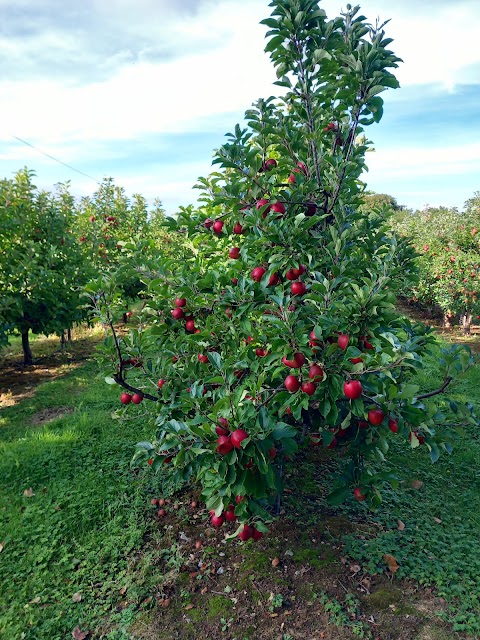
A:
421	439
298	288
310	209
292	384
221	431
224	445
260	353
239	499
332	444
270	164
262	203
235	281
161	513
238	229
150	461
363	424
258	273
125	398
237	437
234	253
154	502
316	373
314	341
161	382
366	343
202	358
230	515
291	179
246	533
297	362
137	398
208	223
190	325
309	388
393	425
343	340
217	521
218	227
292	274
358	495
180	302
278	207
82	239
256	534
352	389
177	313
376	416
355	360
274	280
272	453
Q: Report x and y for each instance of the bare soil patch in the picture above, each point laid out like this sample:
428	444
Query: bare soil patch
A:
48	415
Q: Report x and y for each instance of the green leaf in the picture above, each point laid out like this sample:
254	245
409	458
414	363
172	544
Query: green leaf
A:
338	496
110	380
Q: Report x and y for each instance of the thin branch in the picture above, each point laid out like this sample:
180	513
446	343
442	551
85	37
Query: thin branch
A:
445	384
121	382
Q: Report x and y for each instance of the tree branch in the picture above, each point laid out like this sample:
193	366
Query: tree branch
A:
445	384
121	382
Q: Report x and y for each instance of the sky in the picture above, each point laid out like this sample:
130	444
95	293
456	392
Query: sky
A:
144	91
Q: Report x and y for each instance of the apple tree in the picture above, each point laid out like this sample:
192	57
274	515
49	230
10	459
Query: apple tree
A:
278	329
41	266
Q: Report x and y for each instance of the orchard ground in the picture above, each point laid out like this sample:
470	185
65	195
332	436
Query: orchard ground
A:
81	546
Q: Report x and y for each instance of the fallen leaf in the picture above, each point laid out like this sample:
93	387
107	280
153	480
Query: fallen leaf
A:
417	484
275	562
204	591
123	590
147	600
355	568
77	597
438	521
78	634
274	615
401	525
165	602
35	600
391	562
28	493
189	606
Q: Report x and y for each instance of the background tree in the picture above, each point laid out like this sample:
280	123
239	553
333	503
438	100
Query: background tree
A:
41	265
279	329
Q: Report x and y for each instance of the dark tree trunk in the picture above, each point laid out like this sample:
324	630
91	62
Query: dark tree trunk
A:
466	322
27	352
62	341
125	318
69	334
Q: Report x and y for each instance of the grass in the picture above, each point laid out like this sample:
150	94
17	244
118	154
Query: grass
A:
85	551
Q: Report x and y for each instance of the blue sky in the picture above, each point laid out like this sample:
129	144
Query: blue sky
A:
144	91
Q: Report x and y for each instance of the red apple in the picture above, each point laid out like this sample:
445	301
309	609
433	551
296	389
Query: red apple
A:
355	360
291	179
258	273
272	453
352	389
202	358
358	495
237	437
239	499
224	445
234	253
298	288
230	515
177	313
292	384
221	431
309	388
161	513
278	207
314	341
190	325
217	521
310	209
161	382
274	280
292	274
218	227
343	340
125	398
393	425
154	502
297	362
270	164
92	218
246	533
316	373
256	534
376	416
137	398
234	281
180	302
238	228
262	203
208	223
261	353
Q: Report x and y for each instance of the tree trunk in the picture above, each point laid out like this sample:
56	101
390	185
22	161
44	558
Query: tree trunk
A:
125	318
447	319
27	352
62	341
69	334
466	322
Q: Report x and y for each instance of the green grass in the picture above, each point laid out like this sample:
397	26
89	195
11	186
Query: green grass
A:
77	534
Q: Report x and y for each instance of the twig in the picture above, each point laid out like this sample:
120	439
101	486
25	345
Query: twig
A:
445	384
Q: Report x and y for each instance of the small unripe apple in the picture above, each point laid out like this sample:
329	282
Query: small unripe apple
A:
376	416
180	302
352	389
238	228
292	384
315	439
270	164
161	382
125	398
218	227
358	495
137	398
217	521
343	340
177	313
237	437
298	288
309	388
316	373
224	445
258	273
393	425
